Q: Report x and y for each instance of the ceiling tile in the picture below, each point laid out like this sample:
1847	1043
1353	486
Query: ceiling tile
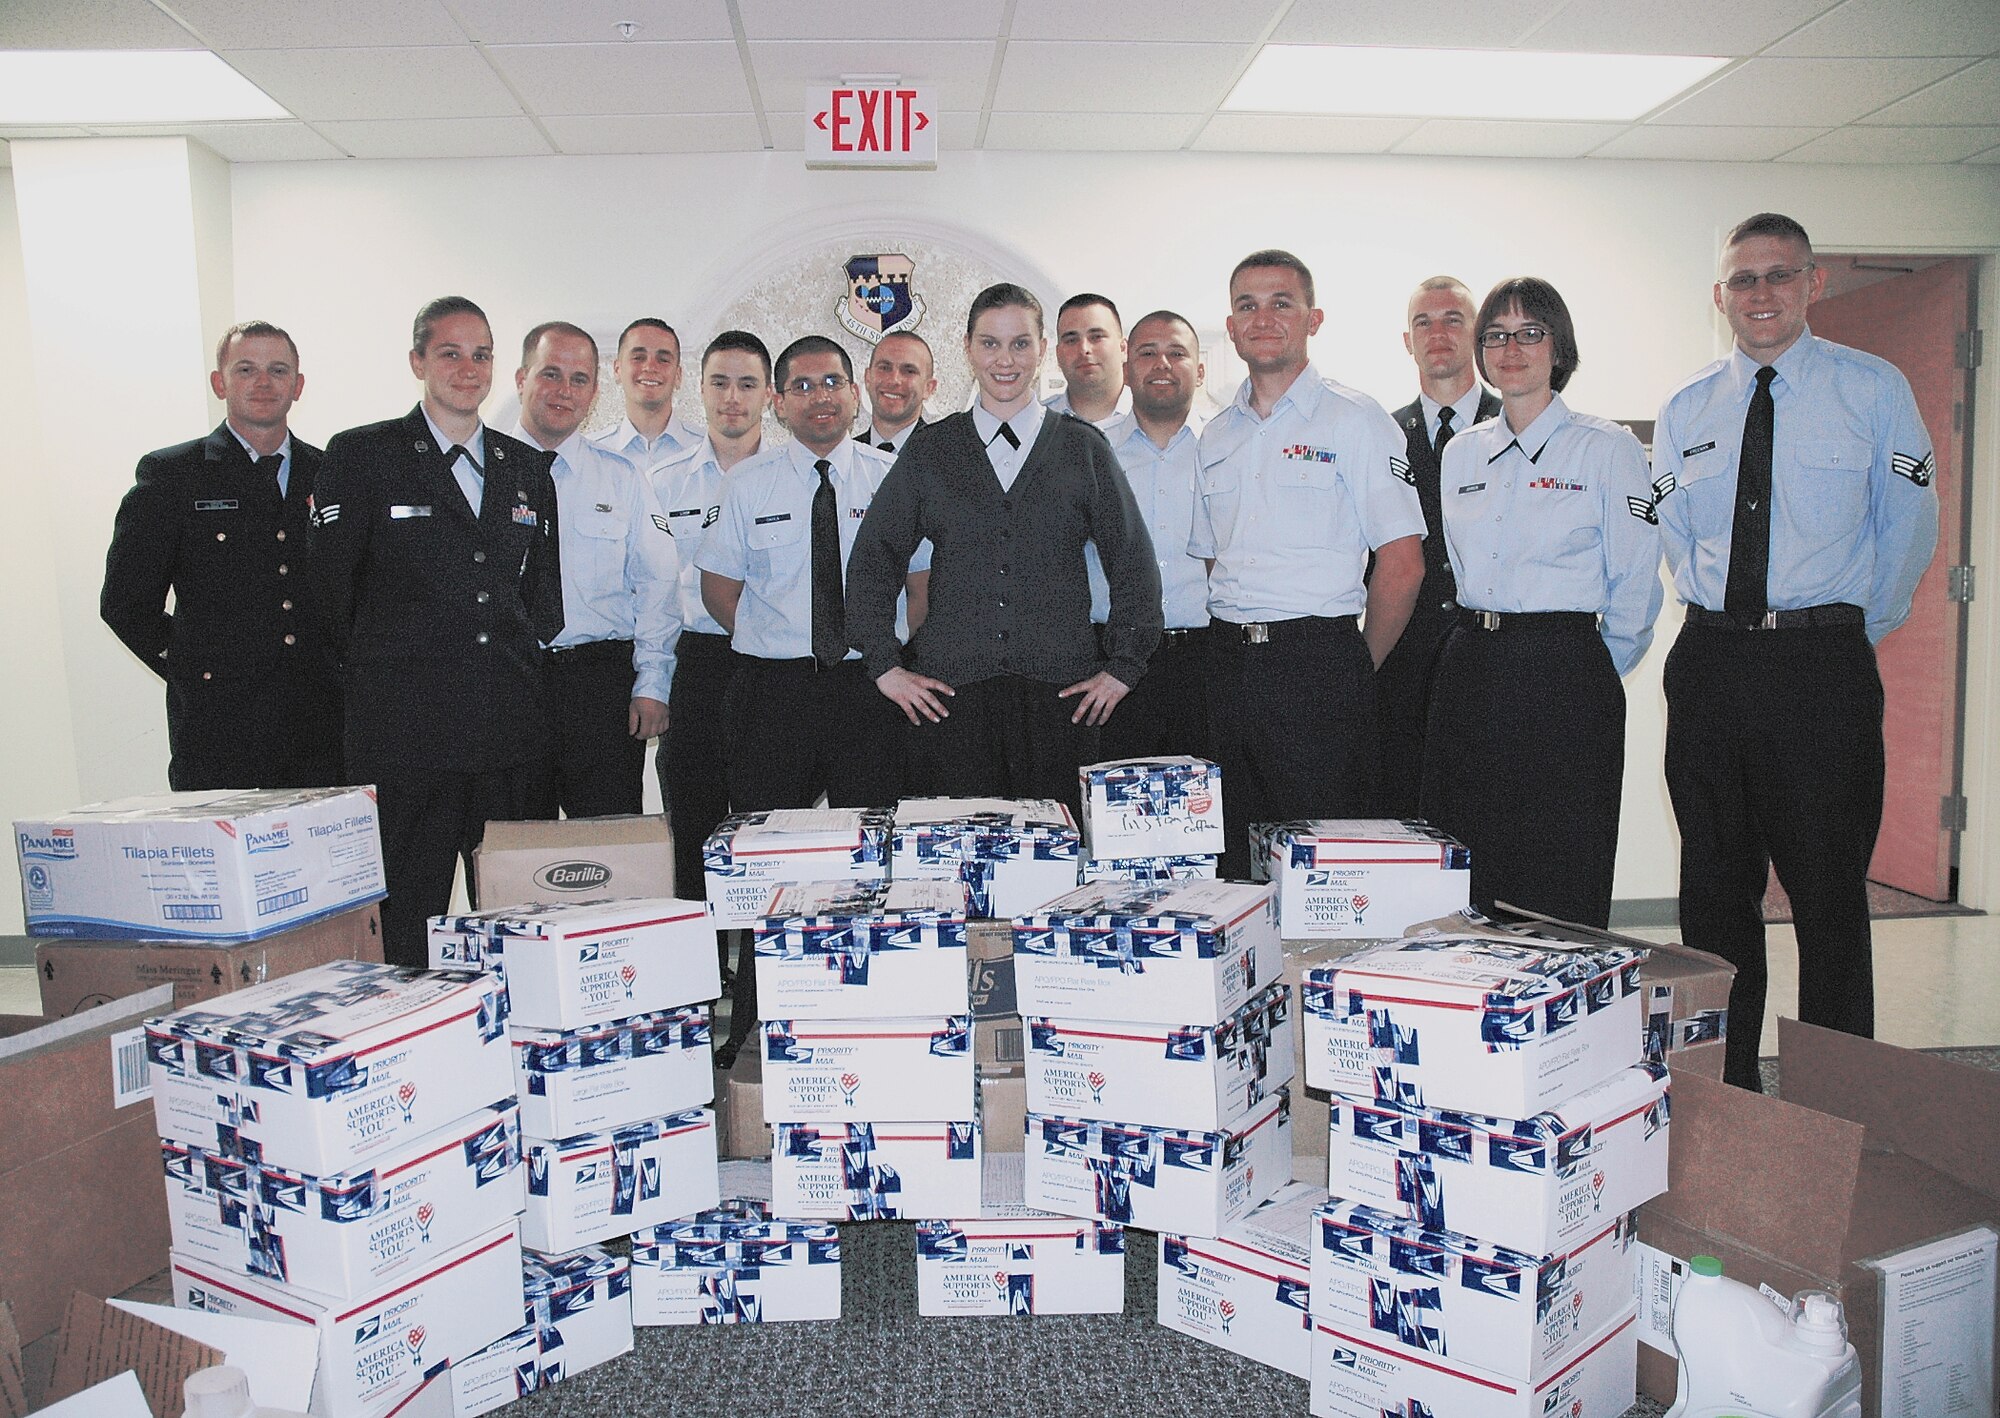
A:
1116	78
1889	28
439	138
349	24
1723	27
1823	92
575	79
957	131
1899	145
1970	96
1091	132
1475	138
1990	155
1495	24
244	142
1302	133
591	21
15	132
90	24
955	71
814	19
1698	144
1201	21
319	84
657	133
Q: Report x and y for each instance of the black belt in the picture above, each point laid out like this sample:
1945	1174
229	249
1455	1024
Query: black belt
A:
1809	618
1526	620
1277	632
590	650
1182	633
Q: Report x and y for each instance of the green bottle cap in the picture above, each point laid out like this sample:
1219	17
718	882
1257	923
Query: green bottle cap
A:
1705	1265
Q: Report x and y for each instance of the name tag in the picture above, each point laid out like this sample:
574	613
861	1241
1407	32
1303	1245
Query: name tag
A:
218	504
1472	487
774	517
1698	448
397	514
685	512
603	507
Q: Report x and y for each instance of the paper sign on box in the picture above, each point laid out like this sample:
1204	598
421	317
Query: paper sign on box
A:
1152	807
1247	1290
868	1070
582	1190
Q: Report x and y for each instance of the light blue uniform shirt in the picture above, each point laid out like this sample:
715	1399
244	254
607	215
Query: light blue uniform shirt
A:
470	476
1059	404
648	454
1853	513
1558	518
1291	505
620	577
1163	484
689	489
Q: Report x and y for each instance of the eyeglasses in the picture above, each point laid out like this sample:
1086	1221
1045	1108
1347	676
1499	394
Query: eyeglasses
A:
1493	339
805	388
1782	276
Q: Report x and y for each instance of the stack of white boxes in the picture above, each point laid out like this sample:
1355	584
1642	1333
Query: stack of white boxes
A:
342	1149
1013	1260
577	1314
736	1264
1013	854
1159	1047
753	853
1359	879
1493	1126
1151	819
1247	1289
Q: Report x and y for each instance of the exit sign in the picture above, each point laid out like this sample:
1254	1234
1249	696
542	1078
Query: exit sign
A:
870	125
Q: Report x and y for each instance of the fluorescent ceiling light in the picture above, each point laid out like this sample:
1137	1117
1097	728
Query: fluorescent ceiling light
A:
126	86
1463	83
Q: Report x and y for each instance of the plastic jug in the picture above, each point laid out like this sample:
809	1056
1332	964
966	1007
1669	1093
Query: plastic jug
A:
1742	1356
224	1392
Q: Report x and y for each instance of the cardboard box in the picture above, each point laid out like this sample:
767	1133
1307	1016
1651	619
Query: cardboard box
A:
200	866
1158	1179
581	1304
868	1070
99	1343
1200	1076
1190	952
586	1189
380	1348
1355	1374
575	859
1478	1024
1003	1108
1359	878
586	1080
1012	854
323	1070
752	853
1247	1290
1309	1101
508	1368
1872	1151
81	1160
345	1233
870	1172
989	953
1152	807
736	1264
1191	868
77	974
830	950
742	1131
1014	1260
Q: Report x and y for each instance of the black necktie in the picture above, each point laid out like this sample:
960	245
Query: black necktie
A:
1007	432
1747	595
829	612
268	467
459	450
1444	430
886	446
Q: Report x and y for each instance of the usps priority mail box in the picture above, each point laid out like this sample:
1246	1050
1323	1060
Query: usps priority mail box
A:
1143	952
1359	879
1194	868
841	950
1202	1076
868	1070
1247	1290
507	1369
1355	1375
752	853
736	1264
1540	1185
1152	807
341	1233
1158	1179
581	1305
326	1069
585	1189
1015	1260
603	1075
200	866
876	1171
1473	1024
378	1349
1012	853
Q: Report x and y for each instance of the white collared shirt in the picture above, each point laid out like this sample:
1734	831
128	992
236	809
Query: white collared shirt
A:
648	455
1005	458
1464	412
688	487
874	438
1059	404
471	476
284	456
1163	483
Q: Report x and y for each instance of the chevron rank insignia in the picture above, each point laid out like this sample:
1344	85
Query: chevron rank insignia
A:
1643	509
325	514
661	522
1918	470
1662	485
1401	469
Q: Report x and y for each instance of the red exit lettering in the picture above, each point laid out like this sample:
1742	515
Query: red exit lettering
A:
884	120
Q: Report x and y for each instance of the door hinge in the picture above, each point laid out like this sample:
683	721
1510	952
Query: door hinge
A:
1971	348
1958	585
1952	813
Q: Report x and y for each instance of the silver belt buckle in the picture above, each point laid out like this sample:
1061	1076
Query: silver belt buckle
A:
1769	621
1257	633
1488	620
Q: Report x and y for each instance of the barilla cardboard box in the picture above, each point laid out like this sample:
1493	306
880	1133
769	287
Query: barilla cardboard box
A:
753	853
1247	1290
875	1171
840	950
508	1368
1309	1101
586	1189
1359	878
574	963
329	1068
76	974
379	1348
1874	1152
1003	1107
1444	1294
200	866
1355	1374
1012	853
1014	1260
1539	1185
1141	952
1158	1179
1152	807
736	1264
1199	1076
1192	868
585	1080
575	859
1477	1024
581	1305
343	1234
868	1070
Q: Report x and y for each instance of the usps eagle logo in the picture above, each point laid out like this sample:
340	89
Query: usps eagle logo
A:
879	300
